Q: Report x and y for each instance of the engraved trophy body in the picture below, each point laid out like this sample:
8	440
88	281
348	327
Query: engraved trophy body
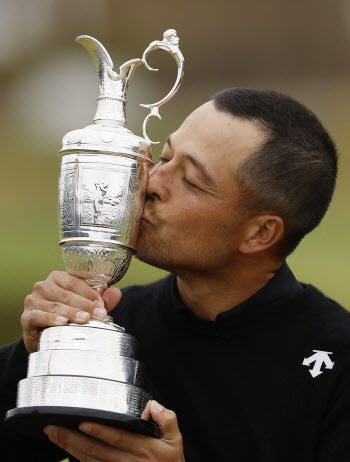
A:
91	372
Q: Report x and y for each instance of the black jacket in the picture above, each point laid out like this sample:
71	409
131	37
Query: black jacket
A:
268	381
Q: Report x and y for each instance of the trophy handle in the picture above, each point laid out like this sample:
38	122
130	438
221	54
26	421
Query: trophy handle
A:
170	43
114	86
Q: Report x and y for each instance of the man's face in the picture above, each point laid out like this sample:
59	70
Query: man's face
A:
191	219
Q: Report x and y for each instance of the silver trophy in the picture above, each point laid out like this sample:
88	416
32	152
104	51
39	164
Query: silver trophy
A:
91	372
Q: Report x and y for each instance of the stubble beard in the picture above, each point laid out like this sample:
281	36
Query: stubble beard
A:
154	252
174	256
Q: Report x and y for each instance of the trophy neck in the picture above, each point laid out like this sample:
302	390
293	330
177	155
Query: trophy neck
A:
110	111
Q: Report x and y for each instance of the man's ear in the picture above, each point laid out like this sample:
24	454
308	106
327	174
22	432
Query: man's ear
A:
261	233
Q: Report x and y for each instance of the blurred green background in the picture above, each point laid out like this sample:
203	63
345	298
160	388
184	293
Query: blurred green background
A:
49	85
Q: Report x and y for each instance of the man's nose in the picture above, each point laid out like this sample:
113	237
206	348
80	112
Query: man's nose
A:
158	183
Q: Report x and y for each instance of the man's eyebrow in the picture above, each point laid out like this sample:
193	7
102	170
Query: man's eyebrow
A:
200	167
168	142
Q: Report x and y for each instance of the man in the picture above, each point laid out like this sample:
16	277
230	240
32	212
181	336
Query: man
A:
245	362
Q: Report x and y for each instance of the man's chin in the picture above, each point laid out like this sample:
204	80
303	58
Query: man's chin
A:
154	251
154	258
146	256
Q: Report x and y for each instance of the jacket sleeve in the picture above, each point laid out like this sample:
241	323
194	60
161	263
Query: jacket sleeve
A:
334	442
13	368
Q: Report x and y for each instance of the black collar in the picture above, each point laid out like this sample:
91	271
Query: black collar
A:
263	306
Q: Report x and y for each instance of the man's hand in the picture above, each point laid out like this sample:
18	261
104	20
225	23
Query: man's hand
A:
62	299
100	443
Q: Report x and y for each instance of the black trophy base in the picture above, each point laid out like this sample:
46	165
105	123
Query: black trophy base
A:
31	421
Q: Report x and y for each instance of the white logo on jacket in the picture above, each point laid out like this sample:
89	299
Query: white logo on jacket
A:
319	358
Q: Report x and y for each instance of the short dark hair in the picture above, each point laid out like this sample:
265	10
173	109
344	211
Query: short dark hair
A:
293	172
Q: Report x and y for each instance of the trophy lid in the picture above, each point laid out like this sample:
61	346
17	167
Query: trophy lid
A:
109	134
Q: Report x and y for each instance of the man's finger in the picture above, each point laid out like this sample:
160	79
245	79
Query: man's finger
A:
146	414
166	420
73	284
79	314
116	437
85	300
35	319
83	447
57	308
111	297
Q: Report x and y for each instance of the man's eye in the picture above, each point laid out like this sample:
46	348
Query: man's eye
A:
185	180
162	160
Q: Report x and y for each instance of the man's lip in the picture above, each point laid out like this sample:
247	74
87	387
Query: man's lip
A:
145	218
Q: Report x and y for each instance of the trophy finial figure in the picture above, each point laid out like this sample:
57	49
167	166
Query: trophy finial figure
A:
171	37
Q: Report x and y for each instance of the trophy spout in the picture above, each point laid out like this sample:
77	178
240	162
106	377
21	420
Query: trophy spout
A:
113	86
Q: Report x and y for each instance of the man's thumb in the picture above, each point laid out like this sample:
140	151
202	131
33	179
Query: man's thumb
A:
166	421
111	296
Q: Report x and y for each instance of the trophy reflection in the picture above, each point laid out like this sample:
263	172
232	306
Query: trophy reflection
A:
91	371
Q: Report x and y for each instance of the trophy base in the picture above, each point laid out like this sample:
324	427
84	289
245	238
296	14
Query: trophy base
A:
31	421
